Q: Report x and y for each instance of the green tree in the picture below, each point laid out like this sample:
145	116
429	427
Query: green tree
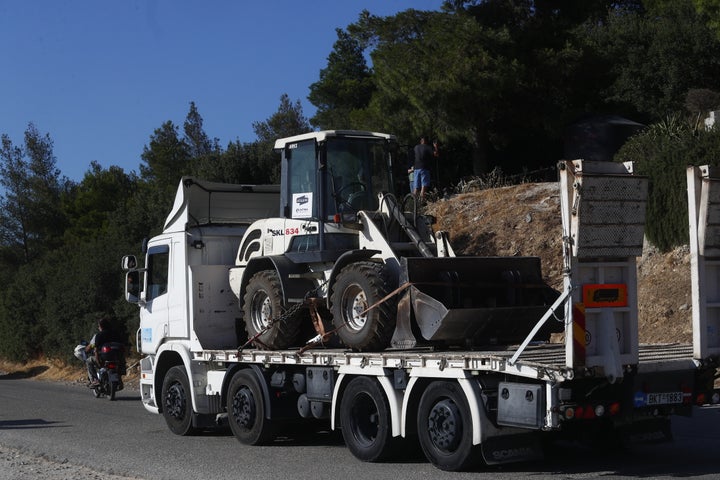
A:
166	159
197	141
440	73
662	152
289	120
31	221
656	58
345	85
91	205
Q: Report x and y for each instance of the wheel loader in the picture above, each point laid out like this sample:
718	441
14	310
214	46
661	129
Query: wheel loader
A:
350	257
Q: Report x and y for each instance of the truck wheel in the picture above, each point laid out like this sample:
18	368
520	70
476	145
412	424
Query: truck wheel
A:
359	286
262	304
176	401
365	420
445	428
246	410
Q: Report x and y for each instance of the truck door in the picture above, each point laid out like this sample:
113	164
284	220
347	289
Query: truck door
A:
154	315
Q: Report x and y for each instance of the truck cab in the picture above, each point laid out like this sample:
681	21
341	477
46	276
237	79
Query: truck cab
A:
182	288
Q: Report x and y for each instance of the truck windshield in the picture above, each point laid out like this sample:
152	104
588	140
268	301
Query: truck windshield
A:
358	169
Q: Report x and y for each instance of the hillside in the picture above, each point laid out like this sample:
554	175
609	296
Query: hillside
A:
525	220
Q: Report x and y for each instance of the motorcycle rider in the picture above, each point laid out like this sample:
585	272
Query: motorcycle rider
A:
105	334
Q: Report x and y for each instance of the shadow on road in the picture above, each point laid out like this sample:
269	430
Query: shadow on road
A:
26	423
27	373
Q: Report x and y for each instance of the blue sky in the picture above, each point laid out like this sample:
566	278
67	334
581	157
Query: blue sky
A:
100	76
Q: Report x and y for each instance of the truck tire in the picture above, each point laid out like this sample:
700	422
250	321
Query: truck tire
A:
359	286
262	304
444	427
246	410
176	401
365	420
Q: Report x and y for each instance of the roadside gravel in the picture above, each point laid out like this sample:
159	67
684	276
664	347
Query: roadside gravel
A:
17	465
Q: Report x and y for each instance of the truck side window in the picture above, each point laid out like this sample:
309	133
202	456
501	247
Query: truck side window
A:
158	271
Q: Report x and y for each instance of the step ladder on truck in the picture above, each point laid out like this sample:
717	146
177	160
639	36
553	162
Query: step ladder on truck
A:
491	403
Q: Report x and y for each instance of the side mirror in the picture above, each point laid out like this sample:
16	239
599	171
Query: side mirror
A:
129	262
132	286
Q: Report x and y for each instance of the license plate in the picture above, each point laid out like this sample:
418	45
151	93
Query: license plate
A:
667	398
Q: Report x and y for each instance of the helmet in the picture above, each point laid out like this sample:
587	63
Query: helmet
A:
79	352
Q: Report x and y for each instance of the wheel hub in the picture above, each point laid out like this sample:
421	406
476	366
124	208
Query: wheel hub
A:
243	408
261	312
357	304
445	425
365	420
175	401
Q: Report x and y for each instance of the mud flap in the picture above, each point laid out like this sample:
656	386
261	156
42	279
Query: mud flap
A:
523	447
655	430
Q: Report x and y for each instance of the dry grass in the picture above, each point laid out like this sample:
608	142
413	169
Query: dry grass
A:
55	371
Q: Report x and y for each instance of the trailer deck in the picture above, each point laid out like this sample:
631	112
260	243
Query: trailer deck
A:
544	362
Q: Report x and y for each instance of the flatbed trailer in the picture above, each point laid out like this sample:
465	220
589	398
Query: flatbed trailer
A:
542	362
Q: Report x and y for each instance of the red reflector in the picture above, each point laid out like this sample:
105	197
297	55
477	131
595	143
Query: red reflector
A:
337	218
588	412
614	408
687	394
700	400
111	365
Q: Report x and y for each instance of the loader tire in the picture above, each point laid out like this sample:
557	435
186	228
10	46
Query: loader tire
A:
262	304
359	286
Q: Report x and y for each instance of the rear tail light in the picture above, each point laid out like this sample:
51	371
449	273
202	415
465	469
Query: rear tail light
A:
708	398
592	411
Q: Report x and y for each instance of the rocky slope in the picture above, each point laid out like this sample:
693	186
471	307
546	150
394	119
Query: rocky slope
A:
525	220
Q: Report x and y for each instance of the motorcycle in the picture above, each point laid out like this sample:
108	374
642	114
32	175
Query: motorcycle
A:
110	371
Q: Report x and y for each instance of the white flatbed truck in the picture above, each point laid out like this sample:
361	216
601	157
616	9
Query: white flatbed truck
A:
466	406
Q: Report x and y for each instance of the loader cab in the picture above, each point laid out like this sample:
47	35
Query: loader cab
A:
332	175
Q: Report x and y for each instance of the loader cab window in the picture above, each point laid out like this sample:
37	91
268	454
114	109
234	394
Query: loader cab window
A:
302	176
358	169
158	265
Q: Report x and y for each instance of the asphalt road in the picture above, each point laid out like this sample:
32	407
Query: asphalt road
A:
67	426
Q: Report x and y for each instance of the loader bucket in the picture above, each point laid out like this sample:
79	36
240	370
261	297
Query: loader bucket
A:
472	301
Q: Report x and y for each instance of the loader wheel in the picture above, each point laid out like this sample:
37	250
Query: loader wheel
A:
246	410
444	427
263	304
365	420
358	287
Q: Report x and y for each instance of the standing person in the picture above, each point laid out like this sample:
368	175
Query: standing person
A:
411	167
423	157
105	334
